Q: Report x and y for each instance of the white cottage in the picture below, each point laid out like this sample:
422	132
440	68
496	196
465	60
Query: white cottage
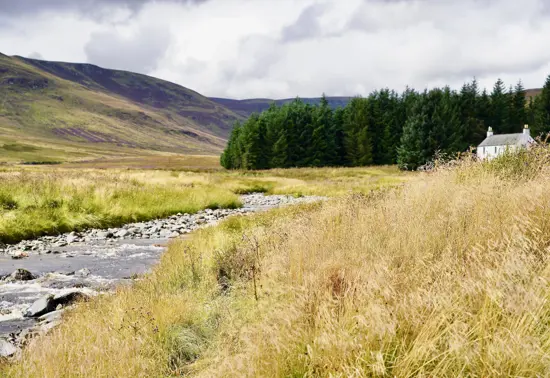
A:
495	145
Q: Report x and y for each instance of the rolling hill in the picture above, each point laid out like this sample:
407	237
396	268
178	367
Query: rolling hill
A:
246	107
534	92
67	111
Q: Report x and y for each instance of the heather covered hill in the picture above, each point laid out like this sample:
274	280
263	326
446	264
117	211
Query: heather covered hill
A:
61	111
258	105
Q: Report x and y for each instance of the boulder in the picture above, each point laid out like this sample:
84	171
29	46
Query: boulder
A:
41	307
7	349
21	275
69	298
50	303
51	317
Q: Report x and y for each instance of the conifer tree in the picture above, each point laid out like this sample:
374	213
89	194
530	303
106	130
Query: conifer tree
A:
518	115
338	134
499	108
410	154
542	110
322	143
356	136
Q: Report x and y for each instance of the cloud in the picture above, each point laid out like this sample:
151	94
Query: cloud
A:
256	55
263	48
139	52
306	26
25	7
36	55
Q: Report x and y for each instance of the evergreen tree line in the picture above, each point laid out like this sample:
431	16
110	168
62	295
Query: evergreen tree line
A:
384	128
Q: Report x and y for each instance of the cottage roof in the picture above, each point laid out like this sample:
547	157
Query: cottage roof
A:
507	140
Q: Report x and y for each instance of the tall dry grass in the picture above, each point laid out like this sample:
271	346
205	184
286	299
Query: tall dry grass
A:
46	200
447	276
35	202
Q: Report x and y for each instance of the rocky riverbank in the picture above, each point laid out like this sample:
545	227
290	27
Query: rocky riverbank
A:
41	278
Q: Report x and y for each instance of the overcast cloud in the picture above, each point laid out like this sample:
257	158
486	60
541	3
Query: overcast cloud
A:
285	48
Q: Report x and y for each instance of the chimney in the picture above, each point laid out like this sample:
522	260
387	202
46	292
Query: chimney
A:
526	130
489	132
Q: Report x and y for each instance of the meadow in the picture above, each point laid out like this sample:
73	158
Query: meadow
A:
40	200
445	275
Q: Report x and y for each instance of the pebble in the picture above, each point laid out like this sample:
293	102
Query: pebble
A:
85	272
167	228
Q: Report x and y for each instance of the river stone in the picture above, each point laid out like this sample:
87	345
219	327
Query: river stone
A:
52	316
19	255
84	272
165	233
71	238
104	234
7	349
41	306
122	233
68	298
21	275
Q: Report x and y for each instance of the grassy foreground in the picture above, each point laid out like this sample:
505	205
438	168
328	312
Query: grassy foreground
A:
448	276
45	200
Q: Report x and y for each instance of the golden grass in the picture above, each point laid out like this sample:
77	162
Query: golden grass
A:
167	161
447	276
312	181
48	200
34	202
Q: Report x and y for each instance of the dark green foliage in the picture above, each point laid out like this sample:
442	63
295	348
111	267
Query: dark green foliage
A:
518	108
500	102
541	111
383	128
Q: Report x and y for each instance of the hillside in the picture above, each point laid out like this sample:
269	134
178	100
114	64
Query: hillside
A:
257	105
59	111
534	92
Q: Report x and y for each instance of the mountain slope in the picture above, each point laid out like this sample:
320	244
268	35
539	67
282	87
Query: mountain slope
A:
258	105
531	93
66	110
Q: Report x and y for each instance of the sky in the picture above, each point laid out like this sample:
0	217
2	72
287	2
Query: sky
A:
287	48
